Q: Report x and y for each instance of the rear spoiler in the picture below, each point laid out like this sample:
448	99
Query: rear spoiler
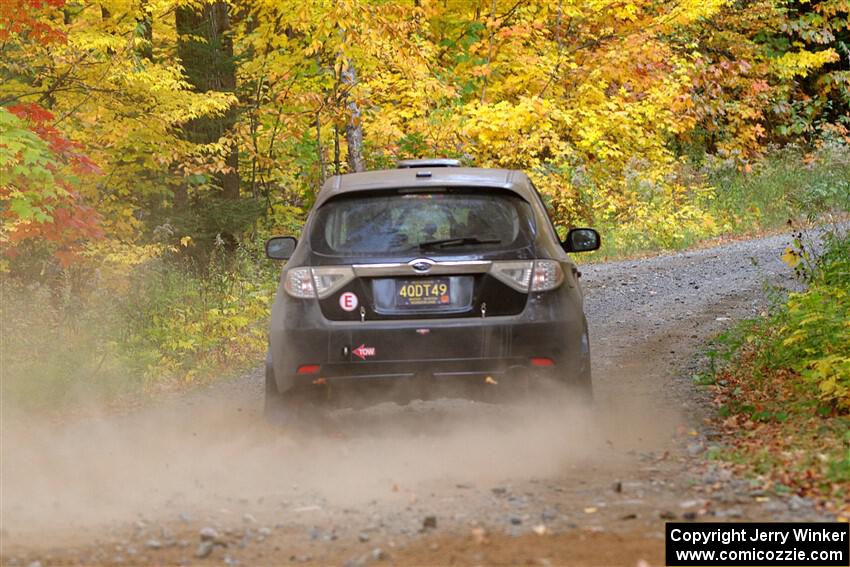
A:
436	162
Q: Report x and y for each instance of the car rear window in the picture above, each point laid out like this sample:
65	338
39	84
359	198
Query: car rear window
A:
382	224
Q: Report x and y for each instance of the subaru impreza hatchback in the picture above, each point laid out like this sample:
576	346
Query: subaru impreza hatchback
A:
426	276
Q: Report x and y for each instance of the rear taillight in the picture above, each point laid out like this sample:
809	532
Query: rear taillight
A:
515	274
547	275
330	278
525	276
312	282
299	283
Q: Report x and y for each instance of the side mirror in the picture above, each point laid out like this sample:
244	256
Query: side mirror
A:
280	247
582	240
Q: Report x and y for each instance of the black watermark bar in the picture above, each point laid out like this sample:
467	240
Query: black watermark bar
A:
814	544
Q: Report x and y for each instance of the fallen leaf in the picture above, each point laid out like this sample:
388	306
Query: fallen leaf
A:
479	535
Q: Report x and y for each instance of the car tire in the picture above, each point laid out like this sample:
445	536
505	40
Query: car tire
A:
297	409
276	406
281	408
580	386
579	383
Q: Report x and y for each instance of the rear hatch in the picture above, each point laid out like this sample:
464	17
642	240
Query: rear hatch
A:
440	253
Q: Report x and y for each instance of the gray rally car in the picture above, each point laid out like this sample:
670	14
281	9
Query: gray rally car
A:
427	275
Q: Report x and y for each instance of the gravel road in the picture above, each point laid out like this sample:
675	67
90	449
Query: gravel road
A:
201	480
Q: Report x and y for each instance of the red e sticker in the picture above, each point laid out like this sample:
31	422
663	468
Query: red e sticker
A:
348	301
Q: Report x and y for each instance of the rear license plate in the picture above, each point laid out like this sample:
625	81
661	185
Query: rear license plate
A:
413	293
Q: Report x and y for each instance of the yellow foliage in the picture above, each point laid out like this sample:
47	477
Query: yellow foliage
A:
801	63
791	257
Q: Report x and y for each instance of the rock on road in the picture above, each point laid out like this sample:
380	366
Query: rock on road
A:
202	480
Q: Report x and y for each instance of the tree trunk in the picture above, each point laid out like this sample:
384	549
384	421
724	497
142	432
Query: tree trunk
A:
489	51
105	16
336	150
144	23
353	130
209	66
320	151
230	178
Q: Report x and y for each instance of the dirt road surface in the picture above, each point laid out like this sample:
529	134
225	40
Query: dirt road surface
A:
202	480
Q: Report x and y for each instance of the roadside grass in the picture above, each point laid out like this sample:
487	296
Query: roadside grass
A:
127	332
726	199
782	381
787	183
49	360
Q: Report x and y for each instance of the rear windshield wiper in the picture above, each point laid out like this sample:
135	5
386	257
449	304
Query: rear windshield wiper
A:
445	242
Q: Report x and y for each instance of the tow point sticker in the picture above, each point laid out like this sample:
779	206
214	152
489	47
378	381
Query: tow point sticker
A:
348	301
363	351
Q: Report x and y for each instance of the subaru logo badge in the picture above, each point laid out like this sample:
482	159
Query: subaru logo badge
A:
421	266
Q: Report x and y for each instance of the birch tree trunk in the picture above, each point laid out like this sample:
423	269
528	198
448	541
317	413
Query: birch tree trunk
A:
354	129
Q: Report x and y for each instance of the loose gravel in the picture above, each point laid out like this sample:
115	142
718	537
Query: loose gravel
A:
203	479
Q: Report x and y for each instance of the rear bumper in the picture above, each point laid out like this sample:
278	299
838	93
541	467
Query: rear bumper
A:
438	368
440	350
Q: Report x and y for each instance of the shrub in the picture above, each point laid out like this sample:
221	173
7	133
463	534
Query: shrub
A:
134	319
783	393
813	336
196	319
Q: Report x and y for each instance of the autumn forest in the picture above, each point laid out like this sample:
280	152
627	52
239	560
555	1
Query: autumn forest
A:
148	148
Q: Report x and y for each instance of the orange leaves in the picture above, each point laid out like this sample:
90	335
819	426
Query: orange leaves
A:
72	224
35	20
759	86
31	111
59	144
44	205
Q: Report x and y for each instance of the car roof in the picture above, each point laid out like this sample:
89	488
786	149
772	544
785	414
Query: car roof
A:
388	179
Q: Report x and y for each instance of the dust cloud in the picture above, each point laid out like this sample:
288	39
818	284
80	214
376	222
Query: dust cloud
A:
215	454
